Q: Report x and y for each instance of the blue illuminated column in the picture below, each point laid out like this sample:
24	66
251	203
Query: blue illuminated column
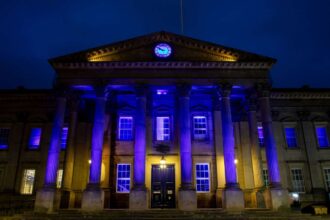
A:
140	138
55	144
185	136
271	152
228	137
97	140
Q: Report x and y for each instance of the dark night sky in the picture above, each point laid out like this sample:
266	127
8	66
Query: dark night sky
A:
295	32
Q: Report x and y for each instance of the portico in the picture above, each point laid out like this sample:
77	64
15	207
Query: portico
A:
190	101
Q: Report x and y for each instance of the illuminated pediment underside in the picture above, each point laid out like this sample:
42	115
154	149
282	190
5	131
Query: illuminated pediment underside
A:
141	49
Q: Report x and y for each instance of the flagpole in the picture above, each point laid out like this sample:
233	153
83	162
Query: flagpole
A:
181	17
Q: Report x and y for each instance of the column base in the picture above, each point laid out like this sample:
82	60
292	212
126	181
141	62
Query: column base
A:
47	200
187	199
92	200
67	199
218	197
233	199
138	199
258	198
277	198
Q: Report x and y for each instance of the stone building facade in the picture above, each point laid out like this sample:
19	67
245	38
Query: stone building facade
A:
164	121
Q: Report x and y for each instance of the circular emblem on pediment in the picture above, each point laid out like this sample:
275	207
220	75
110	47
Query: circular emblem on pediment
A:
163	50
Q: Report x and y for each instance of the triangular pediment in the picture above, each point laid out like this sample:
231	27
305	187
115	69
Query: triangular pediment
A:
141	49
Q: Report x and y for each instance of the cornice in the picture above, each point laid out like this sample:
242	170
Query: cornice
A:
162	65
300	95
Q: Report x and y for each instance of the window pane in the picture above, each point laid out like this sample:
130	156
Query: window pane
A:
202	177
326	172
297	180
28	181
200	127
265	176
64	137
261	136
163	128
4	138
322	136
35	136
125	128
123	178
59	178
291	139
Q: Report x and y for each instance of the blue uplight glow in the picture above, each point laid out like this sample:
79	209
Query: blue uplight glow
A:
322	137
64	137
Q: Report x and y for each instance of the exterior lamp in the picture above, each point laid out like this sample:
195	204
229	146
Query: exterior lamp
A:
89	161
235	161
162	162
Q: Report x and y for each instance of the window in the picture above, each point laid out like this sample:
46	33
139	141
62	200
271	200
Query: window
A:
163	128
202	177
322	137
125	128
326	172
291	138
265	176
200	128
261	136
59	178
297	180
4	138
64	137
28	181
123	178
35	136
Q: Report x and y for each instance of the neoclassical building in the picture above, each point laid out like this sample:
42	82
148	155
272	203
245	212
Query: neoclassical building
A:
164	121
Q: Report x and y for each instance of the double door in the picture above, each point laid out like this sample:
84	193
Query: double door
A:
162	186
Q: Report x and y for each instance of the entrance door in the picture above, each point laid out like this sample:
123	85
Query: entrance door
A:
162	187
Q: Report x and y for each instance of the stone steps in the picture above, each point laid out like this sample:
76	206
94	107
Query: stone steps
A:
166	215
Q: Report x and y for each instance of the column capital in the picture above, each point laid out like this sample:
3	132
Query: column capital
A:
303	115
141	90
216	102
251	100
183	89
224	89
100	91
263	89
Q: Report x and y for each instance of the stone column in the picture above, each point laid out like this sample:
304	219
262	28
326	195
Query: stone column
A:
278	197
187	199
218	142
233	195
67	195
258	198
138	197
45	197
93	196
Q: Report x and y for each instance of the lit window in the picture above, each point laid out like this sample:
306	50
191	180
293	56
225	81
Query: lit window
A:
59	178
291	138
326	172
28	181
322	136
162	92
35	136
163	128
64	137
265	176
261	136
4	138
123	178
125	128
202	177
200	128
297	180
